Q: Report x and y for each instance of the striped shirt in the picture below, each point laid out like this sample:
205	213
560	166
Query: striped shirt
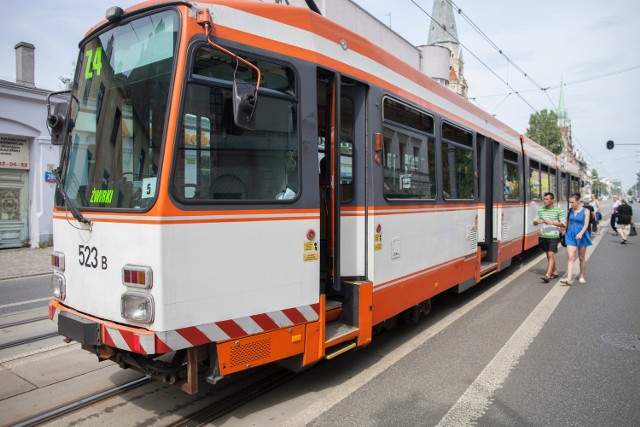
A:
555	214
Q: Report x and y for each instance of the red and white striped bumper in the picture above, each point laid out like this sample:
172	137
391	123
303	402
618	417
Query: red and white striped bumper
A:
143	341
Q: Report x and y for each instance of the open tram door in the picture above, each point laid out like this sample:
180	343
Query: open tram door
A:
342	191
488	215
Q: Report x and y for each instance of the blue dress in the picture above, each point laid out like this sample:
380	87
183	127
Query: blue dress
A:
577	222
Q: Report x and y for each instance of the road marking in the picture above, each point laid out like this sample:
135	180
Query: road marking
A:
340	393
478	397
475	401
25	302
336	396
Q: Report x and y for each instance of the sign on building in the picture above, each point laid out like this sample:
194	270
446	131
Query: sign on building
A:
14	152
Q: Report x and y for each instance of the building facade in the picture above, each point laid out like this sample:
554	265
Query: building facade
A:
26	158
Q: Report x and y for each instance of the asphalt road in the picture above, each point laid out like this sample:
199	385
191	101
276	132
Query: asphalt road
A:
24	293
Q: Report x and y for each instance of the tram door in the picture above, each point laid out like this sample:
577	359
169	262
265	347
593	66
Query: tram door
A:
342	240
488	150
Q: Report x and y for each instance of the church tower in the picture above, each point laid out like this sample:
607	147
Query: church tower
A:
564	123
443	32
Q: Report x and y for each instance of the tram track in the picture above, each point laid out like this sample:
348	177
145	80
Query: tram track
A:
23	322
82	403
29	340
235	400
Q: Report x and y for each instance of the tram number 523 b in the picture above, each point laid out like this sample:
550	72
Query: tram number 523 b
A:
88	257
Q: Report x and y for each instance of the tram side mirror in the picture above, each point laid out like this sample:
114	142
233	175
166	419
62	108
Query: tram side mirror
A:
57	121
244	104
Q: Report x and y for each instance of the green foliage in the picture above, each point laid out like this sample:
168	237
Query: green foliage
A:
543	129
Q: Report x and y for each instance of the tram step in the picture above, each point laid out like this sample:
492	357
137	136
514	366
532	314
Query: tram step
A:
338	332
340	349
488	267
333	310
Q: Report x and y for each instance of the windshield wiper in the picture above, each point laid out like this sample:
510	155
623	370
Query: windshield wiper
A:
72	207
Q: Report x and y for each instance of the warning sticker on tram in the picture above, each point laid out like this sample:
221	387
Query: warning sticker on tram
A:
310	252
313	256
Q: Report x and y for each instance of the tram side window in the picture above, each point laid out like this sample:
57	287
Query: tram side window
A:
457	163
552	183
544	179
409	154
563	187
217	161
534	181
511	177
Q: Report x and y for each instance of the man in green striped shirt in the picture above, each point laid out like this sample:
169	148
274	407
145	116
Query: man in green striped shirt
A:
553	220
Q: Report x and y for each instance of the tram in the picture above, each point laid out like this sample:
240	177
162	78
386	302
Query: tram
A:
245	183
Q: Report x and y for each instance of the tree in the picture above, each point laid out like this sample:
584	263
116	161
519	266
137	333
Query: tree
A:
597	185
543	129
65	81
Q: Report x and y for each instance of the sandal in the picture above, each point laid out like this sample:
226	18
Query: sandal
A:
555	275
565	282
545	279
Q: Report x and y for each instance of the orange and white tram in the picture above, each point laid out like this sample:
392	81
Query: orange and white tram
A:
244	183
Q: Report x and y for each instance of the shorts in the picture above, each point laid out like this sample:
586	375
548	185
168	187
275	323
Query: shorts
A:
549	245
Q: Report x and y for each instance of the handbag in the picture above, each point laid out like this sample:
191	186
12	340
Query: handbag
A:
562	241
633	231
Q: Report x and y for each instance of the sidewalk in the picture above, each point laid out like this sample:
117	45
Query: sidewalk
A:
24	262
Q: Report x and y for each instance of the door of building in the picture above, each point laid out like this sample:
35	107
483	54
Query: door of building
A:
14	208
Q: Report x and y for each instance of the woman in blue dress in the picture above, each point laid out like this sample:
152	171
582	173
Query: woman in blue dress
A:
577	237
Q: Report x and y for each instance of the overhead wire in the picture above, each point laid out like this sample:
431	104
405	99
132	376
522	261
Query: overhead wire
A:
570	83
538	86
475	56
482	34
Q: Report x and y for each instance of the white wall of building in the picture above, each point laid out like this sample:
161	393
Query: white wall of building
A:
23	114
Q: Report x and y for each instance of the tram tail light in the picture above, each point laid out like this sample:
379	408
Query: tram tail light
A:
137	276
58	286
57	260
137	307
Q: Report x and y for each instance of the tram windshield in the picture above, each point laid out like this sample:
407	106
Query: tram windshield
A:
117	116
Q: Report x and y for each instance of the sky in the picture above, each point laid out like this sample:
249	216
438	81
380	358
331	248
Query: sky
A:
587	45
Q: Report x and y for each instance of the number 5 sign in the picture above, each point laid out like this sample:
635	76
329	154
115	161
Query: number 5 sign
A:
149	187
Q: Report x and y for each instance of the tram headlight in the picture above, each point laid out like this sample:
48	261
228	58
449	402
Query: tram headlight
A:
58	286
137	307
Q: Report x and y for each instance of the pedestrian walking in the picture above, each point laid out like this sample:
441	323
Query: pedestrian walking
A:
553	220
625	219
577	238
614	214
595	204
592	216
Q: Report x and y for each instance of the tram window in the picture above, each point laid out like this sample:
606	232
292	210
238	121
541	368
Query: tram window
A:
544	179
457	171
217	161
409	165
534	181
409	154
457	163
346	150
563	187
510	176
552	182
407	116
